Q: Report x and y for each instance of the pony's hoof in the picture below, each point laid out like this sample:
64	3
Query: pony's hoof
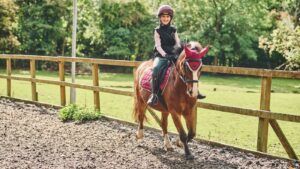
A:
179	143
169	148
137	138
139	135
140	143
189	157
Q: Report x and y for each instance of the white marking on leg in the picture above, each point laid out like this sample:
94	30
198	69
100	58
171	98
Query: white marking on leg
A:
167	143
140	134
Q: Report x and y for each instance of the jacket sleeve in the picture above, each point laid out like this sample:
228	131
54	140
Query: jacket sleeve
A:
158	44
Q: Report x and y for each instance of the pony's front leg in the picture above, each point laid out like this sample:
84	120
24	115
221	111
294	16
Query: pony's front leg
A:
140	131
182	135
191	123
141	118
164	125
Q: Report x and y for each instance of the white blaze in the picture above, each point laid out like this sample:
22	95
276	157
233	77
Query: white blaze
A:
195	85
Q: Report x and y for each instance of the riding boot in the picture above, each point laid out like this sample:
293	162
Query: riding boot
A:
200	96
153	100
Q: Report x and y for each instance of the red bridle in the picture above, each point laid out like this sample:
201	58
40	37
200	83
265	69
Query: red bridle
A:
192	61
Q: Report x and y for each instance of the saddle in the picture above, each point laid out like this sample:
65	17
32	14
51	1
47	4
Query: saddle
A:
145	81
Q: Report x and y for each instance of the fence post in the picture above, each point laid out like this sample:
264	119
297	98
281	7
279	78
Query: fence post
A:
33	84
133	72
95	72
263	124
8	81
61	67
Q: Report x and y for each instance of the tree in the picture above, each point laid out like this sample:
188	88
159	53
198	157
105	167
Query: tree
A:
89	33
41	26
231	27
285	39
127	30
8	40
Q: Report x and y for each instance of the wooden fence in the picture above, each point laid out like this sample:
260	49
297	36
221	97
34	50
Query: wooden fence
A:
265	116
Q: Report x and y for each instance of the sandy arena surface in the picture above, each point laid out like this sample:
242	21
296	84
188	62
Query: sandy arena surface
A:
33	137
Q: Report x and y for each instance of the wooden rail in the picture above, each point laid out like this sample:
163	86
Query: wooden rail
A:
252	72
265	116
212	69
70	59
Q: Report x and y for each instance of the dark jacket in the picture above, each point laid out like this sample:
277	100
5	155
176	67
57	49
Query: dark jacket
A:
167	39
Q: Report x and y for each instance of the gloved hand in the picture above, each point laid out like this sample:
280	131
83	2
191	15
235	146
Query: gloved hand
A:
170	57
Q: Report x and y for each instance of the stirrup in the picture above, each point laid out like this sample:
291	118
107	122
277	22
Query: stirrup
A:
153	100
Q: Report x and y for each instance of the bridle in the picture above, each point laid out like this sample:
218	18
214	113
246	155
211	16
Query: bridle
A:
186	67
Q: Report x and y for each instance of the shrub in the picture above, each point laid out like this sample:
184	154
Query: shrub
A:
66	113
78	114
86	114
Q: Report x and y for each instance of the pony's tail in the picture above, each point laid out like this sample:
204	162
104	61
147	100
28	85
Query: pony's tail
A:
138	105
135	112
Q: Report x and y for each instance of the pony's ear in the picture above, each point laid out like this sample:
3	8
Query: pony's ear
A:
187	51
192	54
203	52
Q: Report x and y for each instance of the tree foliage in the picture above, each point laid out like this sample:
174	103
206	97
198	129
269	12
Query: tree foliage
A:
89	34
285	38
232	28
123	29
127	30
8	40
40	26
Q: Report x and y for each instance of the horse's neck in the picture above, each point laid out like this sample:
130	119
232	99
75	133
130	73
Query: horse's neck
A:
179	91
177	82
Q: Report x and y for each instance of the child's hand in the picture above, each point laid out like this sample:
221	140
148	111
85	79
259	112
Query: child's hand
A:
170	57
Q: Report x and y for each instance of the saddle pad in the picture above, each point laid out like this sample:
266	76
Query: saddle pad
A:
146	80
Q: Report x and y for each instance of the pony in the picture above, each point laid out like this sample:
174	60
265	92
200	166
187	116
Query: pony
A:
179	95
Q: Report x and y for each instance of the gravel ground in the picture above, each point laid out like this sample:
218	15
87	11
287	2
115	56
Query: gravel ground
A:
32	137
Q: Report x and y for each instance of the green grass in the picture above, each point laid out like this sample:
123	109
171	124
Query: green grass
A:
238	91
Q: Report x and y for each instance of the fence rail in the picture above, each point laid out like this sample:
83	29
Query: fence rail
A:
264	115
212	69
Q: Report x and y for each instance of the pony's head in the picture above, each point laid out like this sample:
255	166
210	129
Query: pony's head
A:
189	66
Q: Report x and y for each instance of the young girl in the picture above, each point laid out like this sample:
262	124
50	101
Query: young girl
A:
166	40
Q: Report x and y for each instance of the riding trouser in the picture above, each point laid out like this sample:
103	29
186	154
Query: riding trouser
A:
160	65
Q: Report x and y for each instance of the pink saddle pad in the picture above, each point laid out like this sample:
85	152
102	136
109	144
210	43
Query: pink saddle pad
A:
146	79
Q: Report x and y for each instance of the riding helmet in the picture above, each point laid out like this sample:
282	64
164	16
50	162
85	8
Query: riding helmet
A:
165	9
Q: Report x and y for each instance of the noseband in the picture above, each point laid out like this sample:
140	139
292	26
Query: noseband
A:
186	67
